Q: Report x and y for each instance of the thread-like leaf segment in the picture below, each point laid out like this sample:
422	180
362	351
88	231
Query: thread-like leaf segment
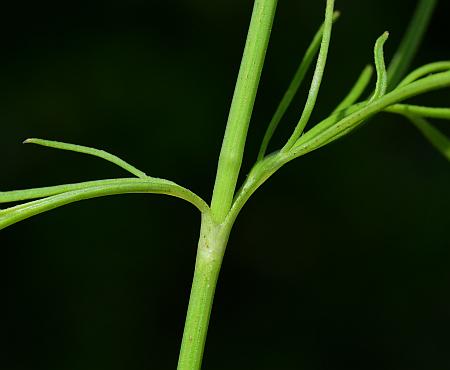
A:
58	196
357	90
419	111
424	71
380	65
346	117
292	90
364	79
317	78
90	151
341	123
328	131
410	42
434	136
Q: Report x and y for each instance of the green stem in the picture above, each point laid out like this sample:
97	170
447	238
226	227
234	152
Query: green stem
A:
211	247
232	151
215	230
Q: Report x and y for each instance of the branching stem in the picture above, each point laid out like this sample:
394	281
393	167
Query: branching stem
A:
215	228
218	220
232	151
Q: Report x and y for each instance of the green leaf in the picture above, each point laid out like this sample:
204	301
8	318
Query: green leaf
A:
411	40
326	132
19	195
357	90
419	111
348	116
424	71
293	87
380	90
59	196
317	78
90	151
331	129
382	78
434	136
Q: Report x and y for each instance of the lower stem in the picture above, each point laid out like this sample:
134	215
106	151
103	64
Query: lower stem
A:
211	247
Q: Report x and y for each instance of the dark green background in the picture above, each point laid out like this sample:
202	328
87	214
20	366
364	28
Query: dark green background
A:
341	261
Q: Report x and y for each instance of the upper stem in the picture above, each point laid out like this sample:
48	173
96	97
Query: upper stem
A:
232	151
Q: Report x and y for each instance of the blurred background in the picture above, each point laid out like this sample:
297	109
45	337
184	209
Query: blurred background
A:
348	270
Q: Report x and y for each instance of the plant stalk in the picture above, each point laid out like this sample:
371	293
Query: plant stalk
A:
211	247
241	109
215	229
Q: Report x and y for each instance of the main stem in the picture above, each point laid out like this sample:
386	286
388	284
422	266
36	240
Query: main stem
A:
232	151
216	227
211	247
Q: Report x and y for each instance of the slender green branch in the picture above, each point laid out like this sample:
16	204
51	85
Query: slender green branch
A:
434	136
161	186
232	151
331	129
382	80
424	71
90	151
292	90
332	120
312	140
26	194
357	90
411	41
317	78
419	111
18	213
259	174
